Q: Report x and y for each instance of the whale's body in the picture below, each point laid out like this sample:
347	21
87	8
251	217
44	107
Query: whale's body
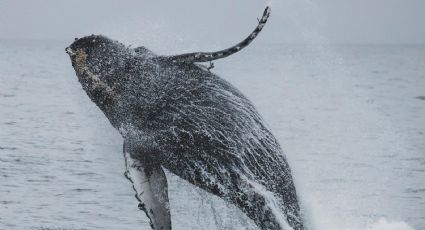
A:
177	115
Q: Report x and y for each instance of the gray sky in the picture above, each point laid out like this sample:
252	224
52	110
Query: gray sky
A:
187	22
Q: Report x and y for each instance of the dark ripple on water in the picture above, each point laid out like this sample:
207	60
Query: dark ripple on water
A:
7	95
84	190
412	190
7	148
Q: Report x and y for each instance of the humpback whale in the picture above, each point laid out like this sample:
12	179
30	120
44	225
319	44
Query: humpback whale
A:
177	115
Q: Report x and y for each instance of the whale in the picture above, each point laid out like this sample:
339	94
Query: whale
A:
175	114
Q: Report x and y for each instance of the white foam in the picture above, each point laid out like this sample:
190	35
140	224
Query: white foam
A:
384	224
380	224
318	217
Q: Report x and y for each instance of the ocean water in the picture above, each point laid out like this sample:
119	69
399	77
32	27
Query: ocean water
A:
351	120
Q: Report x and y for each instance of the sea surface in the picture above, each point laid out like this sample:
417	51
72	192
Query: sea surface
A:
351	120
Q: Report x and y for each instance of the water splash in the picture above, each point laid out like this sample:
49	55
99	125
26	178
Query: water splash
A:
384	224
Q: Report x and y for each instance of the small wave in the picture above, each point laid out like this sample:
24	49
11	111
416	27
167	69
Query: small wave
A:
7	148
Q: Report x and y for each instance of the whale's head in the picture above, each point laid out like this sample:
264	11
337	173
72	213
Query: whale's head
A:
99	63
97	54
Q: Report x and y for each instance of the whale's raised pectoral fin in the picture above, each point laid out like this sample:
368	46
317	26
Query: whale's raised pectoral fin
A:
211	56
150	185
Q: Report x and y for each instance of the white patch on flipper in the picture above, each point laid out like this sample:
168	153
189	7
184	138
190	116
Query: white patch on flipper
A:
151	191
